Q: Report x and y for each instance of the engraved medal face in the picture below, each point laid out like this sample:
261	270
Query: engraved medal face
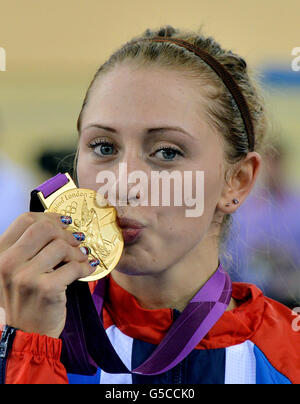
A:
103	237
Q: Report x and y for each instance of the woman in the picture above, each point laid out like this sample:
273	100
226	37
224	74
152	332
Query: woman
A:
155	105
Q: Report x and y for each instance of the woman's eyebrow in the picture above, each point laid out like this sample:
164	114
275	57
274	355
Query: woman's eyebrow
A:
168	128
148	131
97	125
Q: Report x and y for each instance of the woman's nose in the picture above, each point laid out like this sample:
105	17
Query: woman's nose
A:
131	178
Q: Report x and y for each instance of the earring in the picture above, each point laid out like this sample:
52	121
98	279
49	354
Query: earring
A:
235	201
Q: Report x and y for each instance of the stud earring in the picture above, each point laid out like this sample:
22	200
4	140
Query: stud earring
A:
235	201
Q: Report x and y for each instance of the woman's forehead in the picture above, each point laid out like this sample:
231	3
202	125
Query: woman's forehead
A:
152	95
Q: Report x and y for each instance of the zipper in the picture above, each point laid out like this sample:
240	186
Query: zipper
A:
7	339
177	374
177	371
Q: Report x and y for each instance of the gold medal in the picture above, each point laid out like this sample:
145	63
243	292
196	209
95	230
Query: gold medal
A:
103	237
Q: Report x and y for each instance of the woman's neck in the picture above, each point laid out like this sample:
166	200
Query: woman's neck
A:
173	287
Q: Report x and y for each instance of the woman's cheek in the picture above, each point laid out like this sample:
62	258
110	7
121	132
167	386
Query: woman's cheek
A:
87	175
179	231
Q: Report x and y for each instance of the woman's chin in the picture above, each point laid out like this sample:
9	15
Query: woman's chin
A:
138	259
131	270
130	266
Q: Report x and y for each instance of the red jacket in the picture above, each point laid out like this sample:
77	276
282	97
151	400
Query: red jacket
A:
35	359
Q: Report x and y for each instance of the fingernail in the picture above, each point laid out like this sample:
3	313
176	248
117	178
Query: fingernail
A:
85	250
94	263
79	236
66	220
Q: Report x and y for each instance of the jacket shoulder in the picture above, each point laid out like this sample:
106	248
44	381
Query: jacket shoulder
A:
278	338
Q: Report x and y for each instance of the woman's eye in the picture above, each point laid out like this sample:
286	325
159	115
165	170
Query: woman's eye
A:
103	148
168	153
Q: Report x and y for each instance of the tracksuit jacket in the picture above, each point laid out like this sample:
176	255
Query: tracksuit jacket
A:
256	343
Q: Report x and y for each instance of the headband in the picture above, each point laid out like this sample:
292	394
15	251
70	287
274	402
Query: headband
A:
226	77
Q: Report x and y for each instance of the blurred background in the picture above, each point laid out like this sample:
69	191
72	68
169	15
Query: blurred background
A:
53	48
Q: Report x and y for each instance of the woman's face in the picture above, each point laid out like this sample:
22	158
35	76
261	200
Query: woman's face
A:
157	123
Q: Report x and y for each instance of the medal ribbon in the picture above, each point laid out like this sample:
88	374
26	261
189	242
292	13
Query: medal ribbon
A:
86	345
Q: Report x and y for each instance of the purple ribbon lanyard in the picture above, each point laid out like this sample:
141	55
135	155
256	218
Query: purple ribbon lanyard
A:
85	341
200	315
47	188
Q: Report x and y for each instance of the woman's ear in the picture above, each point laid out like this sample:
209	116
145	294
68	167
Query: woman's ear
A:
239	182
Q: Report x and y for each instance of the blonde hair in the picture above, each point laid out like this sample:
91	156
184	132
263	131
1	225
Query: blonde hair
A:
222	111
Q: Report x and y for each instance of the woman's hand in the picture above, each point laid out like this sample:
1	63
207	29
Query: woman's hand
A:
32	286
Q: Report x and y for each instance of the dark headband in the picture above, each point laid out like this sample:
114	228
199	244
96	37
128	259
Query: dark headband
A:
227	78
